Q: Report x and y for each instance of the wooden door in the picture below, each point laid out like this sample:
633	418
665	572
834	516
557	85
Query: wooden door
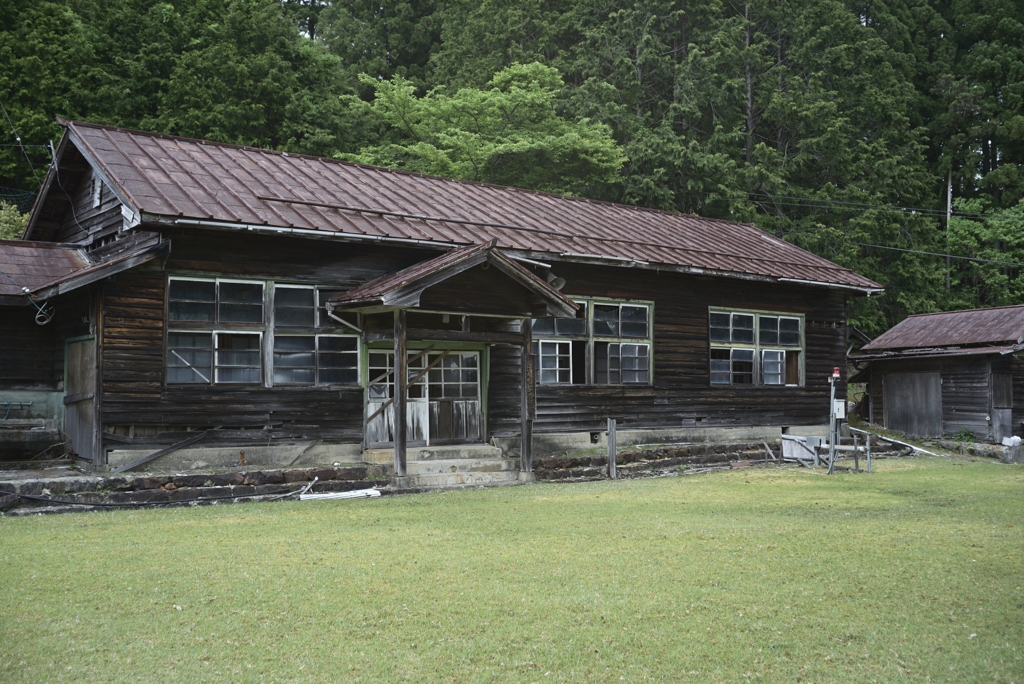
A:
912	403
453	386
1002	406
80	396
443	405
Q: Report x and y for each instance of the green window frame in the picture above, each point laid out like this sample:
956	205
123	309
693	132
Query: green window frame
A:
609	343
750	348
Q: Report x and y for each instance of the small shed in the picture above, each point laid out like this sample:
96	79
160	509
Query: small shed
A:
937	374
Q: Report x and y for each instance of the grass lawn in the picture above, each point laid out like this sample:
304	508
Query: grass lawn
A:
914	573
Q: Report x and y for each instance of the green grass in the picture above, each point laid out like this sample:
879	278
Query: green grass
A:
914	573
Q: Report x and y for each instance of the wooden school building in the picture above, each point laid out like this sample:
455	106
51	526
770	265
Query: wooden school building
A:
212	298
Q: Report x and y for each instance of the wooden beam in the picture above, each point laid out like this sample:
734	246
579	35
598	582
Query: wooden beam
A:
401	378
528	397
163	452
449	336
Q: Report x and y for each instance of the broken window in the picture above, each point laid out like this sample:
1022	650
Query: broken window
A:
217	327
754	348
608	341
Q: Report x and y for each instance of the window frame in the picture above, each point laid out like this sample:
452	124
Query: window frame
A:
591	339
266	330
759	348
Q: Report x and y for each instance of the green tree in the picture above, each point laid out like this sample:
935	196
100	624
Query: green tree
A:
12	222
996	236
507	133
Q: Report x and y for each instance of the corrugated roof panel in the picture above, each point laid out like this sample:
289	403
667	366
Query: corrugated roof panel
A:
207	180
32	264
970	326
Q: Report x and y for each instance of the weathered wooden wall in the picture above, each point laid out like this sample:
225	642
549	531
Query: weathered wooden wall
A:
132	365
682	395
965	390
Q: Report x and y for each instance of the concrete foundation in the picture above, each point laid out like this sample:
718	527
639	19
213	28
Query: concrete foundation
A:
255	455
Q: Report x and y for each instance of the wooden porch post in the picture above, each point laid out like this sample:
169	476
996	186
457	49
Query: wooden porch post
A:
401	379
528	403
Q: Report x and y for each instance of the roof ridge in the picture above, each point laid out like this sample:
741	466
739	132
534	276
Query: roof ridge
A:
403	172
946	313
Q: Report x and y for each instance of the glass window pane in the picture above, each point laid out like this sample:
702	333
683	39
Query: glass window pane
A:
293	297
606	320
743	328
345	360
250	293
285	316
634	321
193	290
292	376
247	375
721	367
574	326
291	343
544	326
198	312
240	313
328	343
789	331
339	376
768	330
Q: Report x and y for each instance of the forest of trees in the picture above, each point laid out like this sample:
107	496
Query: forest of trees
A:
835	124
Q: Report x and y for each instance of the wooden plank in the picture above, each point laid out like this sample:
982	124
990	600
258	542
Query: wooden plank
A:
401	378
612	449
162	452
527	398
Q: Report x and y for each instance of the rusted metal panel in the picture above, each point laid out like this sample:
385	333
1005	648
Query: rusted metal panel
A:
34	264
973	326
177	177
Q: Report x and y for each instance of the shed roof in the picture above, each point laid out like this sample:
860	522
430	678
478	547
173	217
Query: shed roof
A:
34	264
183	180
951	328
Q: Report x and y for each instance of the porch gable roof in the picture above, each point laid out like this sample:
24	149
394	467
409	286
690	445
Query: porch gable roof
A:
403	289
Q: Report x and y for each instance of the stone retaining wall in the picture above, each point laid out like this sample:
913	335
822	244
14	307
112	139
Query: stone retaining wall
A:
651	462
171	489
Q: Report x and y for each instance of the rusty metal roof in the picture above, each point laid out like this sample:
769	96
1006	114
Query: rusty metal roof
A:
397	288
970	327
178	178
35	264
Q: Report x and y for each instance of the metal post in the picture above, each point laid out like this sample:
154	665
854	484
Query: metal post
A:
611	449
856	456
399	427
867	440
832	425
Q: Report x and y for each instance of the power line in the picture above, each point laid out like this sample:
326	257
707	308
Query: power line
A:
903	249
864	206
18	138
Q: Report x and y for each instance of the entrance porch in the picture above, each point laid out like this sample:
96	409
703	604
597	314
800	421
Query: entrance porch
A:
429	330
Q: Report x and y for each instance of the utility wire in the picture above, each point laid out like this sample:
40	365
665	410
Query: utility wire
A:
18	138
863	206
902	249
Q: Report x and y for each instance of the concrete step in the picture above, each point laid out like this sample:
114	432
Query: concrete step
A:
461	465
434	453
460	479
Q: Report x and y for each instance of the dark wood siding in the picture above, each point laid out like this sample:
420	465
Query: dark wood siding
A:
33	355
965	390
134	393
1017	370
681	395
